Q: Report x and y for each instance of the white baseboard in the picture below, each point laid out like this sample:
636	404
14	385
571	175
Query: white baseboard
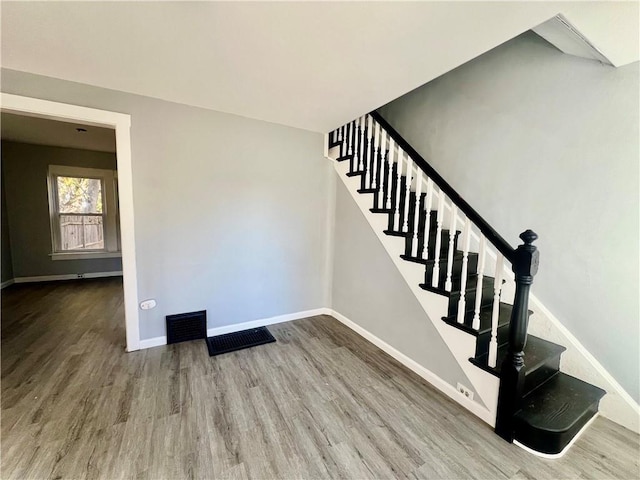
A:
153	342
6	283
236	327
70	276
267	321
449	390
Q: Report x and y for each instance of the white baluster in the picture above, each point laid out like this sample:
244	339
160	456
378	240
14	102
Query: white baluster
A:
481	261
452	236
390	173
396	216
362	149
340	134
466	239
497	286
376	153
416	216
367	175
354	159
427	221
405	223
384	167
349	138
436	266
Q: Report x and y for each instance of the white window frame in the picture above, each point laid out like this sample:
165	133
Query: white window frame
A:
109	212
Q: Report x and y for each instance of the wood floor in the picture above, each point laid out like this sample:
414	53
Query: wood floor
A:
320	403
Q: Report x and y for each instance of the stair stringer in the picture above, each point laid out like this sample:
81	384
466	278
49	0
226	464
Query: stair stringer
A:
461	344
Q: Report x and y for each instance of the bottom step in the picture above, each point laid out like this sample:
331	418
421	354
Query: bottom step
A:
553	414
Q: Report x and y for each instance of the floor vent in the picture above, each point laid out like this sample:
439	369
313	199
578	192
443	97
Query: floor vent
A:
230	342
186	326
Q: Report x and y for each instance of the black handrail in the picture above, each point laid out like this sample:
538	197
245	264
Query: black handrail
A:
491	235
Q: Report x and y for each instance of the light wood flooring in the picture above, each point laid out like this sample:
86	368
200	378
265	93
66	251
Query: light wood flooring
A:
320	403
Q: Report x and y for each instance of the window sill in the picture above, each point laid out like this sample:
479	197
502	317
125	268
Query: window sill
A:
84	255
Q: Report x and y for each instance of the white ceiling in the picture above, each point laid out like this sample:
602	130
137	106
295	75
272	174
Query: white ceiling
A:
40	131
311	65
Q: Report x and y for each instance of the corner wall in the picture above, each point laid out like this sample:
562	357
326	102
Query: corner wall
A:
230	213
533	138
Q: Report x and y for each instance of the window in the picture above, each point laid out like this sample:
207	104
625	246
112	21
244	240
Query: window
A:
83	208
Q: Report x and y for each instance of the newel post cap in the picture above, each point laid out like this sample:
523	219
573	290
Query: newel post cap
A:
528	237
526	257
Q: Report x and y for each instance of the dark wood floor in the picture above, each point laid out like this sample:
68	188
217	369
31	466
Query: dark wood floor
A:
320	403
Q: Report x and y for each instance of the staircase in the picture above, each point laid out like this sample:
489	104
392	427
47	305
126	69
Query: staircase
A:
464	261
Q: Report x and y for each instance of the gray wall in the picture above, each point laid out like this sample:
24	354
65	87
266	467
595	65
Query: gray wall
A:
230	213
369	290
7	262
532	138
25	169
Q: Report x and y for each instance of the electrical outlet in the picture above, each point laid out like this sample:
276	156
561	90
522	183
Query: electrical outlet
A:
80	275
148	304
465	391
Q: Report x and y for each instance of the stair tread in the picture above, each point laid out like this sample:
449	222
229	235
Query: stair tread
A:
504	315
472	283
469	290
456	255
559	403
536	352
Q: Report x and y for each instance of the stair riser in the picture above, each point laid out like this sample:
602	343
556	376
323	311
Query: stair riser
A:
482	345
551	443
470	299
537	377
431	252
380	197
472	266
411	226
380	201
379	173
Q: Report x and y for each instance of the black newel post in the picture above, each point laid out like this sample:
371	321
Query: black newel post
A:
525	266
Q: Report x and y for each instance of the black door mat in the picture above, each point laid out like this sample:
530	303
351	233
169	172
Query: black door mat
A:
230	342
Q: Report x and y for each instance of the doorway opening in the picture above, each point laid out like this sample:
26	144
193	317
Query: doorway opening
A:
88	192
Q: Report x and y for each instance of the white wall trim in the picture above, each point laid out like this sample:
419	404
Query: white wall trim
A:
6	283
121	123
449	390
237	327
67	276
